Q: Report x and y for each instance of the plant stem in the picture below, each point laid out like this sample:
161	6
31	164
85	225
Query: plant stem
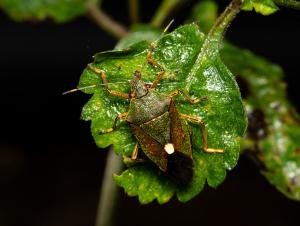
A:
133	11
214	37
105	22
288	4
164	11
109	192
224	20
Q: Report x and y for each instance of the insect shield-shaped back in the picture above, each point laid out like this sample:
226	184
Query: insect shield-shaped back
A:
161	134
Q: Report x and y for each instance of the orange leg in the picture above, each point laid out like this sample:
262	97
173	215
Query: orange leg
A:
133	159
186	96
135	152
103	77
199	121
155	64
120	116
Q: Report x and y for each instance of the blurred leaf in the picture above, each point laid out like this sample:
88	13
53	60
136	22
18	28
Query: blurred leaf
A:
58	10
191	67
205	14
264	7
274	129
292	4
139	33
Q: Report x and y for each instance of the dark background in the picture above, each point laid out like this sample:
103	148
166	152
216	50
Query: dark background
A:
50	168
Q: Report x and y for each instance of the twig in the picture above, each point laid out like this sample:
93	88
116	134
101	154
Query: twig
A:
164	10
109	192
105	22
224	20
288	4
133	11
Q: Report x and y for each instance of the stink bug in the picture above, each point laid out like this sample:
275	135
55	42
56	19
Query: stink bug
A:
162	133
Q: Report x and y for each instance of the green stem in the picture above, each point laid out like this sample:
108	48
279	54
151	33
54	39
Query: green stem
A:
164	11
109	192
288	4
133	11
105	22
214	38
223	21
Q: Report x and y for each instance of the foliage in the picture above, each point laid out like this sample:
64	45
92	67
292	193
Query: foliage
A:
191	57
210	78
274	129
59	10
272	135
265	7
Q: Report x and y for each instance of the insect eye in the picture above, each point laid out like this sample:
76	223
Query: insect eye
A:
147	86
192	92
137	74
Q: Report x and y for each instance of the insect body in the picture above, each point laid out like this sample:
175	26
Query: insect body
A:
162	133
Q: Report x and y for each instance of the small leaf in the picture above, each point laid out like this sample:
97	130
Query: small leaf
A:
274	128
59	10
264	7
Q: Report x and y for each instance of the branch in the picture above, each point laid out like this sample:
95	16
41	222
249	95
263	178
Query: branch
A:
224	20
109	192
288	4
133	11
105	22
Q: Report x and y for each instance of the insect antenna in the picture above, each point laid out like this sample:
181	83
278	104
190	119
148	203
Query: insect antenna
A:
164	32
152	45
91	86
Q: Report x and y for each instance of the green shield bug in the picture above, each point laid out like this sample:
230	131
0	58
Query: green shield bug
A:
162	132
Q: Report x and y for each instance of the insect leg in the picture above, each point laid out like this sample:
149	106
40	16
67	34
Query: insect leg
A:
133	159
135	152
103	77
154	64
199	121
186	96
120	116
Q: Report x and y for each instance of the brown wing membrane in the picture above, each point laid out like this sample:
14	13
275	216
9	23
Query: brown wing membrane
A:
180	164
153	149
180	136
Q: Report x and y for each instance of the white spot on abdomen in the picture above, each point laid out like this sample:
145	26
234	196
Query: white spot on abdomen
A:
169	148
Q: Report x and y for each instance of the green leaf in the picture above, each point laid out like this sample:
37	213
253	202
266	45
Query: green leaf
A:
274	129
192	63
264	7
58	10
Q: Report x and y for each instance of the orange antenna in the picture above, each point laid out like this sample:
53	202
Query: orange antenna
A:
91	86
165	31
144	64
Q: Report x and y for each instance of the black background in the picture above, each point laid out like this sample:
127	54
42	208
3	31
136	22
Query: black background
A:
50	168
